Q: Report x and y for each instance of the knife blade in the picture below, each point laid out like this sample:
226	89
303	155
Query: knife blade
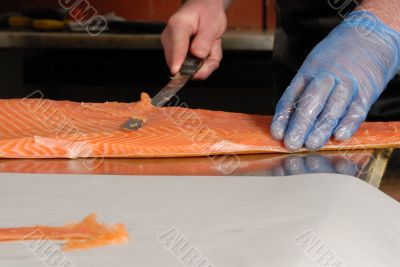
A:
189	68
187	71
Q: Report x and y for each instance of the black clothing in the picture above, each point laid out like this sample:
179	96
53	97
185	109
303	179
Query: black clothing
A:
303	24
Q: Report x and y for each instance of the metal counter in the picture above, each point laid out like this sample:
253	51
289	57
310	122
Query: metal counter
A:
371	166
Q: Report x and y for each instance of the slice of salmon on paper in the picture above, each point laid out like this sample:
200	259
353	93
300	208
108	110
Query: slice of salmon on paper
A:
77	236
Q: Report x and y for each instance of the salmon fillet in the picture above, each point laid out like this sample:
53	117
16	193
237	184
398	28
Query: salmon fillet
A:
40	128
84	235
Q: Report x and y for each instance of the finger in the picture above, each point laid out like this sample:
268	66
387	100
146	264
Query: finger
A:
278	171
212	62
334	110
349	124
204	40
319	164
285	107
346	167
295	165
309	106
175	40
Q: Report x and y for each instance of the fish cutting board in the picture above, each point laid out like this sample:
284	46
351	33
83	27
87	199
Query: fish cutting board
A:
225	221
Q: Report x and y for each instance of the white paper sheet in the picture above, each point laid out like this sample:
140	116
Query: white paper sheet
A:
230	221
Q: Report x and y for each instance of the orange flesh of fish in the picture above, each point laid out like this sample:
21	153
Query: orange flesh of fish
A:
37	128
84	235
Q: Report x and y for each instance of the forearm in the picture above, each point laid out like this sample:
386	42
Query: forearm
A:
387	10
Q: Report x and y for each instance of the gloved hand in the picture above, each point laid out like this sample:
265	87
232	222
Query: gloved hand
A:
206	21
338	83
317	163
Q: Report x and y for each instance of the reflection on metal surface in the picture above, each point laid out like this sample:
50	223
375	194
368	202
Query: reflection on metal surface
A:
376	168
366	164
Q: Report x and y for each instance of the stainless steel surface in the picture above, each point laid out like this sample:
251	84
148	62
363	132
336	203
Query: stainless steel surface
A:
357	163
252	41
376	168
379	167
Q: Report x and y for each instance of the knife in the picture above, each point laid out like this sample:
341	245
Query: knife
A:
189	68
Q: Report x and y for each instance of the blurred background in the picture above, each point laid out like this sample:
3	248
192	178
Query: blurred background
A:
127	59
45	45
243	14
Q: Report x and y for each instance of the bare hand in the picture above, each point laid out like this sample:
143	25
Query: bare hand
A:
205	21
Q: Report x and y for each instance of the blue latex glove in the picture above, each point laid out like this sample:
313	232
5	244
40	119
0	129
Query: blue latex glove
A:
338	83
315	163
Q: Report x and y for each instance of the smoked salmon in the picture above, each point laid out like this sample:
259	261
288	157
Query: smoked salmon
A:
84	235
41	128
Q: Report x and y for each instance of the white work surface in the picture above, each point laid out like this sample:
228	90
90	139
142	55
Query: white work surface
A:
232	221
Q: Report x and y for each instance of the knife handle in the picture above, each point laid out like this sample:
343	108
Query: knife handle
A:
191	65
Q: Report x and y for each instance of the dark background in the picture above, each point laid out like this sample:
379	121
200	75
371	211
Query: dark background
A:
247	81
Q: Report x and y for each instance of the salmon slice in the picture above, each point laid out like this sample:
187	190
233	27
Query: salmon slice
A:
84	235
40	128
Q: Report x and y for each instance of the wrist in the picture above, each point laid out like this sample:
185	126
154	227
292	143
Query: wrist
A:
373	29
387	12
